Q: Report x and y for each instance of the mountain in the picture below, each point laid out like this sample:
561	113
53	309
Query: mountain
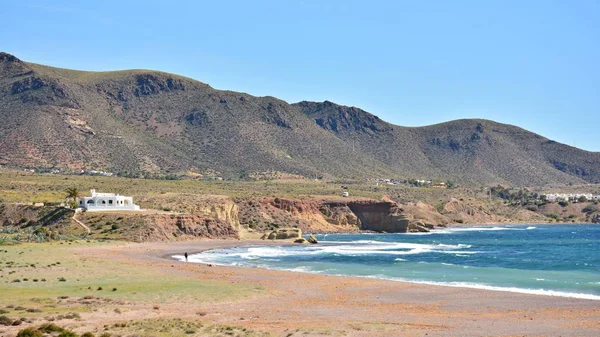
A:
147	121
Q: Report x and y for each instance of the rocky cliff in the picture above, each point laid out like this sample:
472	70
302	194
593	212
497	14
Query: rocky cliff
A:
225	211
184	227
383	216
323	216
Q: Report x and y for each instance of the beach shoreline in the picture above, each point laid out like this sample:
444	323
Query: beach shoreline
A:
151	286
393	306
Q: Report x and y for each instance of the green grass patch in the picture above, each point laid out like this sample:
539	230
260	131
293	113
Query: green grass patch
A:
84	276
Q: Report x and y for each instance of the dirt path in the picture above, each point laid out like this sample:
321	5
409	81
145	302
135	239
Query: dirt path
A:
81	223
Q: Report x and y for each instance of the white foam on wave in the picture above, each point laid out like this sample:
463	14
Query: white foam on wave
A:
355	251
389	248
544	292
205	259
254	253
352	248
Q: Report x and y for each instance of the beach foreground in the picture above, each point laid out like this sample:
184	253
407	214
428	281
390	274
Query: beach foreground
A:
280	303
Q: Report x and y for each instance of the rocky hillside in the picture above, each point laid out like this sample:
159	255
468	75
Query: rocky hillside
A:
146	121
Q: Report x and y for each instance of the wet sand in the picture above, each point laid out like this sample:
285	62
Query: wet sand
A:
352	306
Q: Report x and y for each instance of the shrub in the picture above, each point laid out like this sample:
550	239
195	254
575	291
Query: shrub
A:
114	227
62	279
589	209
106	334
532	208
68	334
5	320
29	332
50	327
87	334
563	203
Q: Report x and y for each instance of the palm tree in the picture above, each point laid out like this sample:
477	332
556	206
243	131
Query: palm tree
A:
72	194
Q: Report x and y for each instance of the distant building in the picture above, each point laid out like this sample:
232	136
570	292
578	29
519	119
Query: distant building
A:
554	197
107	202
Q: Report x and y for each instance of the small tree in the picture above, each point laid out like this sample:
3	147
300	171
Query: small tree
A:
582	199
72	193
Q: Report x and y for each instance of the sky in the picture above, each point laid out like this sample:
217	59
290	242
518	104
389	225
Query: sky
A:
533	63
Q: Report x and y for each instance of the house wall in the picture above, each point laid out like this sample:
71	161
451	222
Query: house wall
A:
107	203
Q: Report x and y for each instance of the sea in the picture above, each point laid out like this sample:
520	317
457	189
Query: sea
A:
553	260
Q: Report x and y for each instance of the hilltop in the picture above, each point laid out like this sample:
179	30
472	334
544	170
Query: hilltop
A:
146	122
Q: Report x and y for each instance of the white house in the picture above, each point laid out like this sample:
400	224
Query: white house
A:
107	202
553	197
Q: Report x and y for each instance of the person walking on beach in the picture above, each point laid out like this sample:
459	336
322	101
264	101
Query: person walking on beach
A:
185	254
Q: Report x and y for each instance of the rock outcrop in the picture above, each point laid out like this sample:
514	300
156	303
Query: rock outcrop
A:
382	216
224	210
285	233
183	227
339	214
418	227
318	216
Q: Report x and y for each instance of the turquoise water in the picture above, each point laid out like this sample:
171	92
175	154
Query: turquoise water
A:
559	260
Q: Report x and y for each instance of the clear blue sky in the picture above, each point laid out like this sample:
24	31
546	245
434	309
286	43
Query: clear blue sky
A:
535	64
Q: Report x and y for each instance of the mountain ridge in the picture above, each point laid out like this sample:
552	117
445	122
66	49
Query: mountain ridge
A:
143	121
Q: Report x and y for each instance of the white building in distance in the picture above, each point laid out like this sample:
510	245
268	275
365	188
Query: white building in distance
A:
106	202
554	197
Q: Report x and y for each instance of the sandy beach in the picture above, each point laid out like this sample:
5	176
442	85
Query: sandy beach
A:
288	302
